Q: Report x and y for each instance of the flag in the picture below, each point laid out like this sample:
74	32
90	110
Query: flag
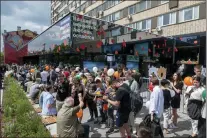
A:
124	43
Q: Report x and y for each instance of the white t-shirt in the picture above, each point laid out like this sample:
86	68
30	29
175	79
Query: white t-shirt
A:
44	75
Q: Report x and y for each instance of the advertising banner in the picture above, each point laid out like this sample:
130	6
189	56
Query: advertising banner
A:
65	29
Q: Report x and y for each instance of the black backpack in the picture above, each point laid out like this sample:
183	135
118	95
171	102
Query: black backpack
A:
194	108
53	76
136	100
154	125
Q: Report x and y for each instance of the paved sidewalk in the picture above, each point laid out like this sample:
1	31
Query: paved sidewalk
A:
98	131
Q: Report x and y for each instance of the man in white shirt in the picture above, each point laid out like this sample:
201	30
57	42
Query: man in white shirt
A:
44	76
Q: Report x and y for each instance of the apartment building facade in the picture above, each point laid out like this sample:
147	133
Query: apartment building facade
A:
163	17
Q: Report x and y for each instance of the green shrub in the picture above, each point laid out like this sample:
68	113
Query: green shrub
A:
19	118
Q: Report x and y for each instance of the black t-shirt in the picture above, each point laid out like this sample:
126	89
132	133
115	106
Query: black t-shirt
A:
63	91
167	98
123	96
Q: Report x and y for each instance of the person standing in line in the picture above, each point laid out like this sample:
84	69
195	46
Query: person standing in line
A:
122	101
156	103
202	119
197	70
44	76
168	94
195	94
90	95
63	91
177	86
134	87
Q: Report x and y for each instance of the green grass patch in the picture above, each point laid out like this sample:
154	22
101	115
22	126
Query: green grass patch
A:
19	117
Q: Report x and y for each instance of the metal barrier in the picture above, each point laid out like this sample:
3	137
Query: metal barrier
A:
145	94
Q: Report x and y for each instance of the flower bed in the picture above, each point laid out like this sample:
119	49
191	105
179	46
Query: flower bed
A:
19	118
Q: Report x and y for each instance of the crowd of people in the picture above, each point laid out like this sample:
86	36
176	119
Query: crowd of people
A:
65	92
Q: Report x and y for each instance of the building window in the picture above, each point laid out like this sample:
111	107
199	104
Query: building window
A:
189	14
164	1
143	5
131	10
144	25
167	19
117	16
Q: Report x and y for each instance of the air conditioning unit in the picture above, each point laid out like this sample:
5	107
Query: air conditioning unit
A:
149	31
101	13
129	17
159	29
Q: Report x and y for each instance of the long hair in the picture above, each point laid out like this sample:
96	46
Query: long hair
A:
179	79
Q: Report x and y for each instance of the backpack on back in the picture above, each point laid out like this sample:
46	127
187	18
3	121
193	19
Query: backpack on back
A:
53	75
136	101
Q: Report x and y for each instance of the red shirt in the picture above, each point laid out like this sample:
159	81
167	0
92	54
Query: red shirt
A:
66	73
150	87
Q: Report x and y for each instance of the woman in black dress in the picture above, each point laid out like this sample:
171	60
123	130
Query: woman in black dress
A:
177	86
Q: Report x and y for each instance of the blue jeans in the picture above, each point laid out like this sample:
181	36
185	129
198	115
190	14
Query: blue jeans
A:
100	108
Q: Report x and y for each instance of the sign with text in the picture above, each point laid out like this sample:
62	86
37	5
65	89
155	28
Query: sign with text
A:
65	28
84	28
